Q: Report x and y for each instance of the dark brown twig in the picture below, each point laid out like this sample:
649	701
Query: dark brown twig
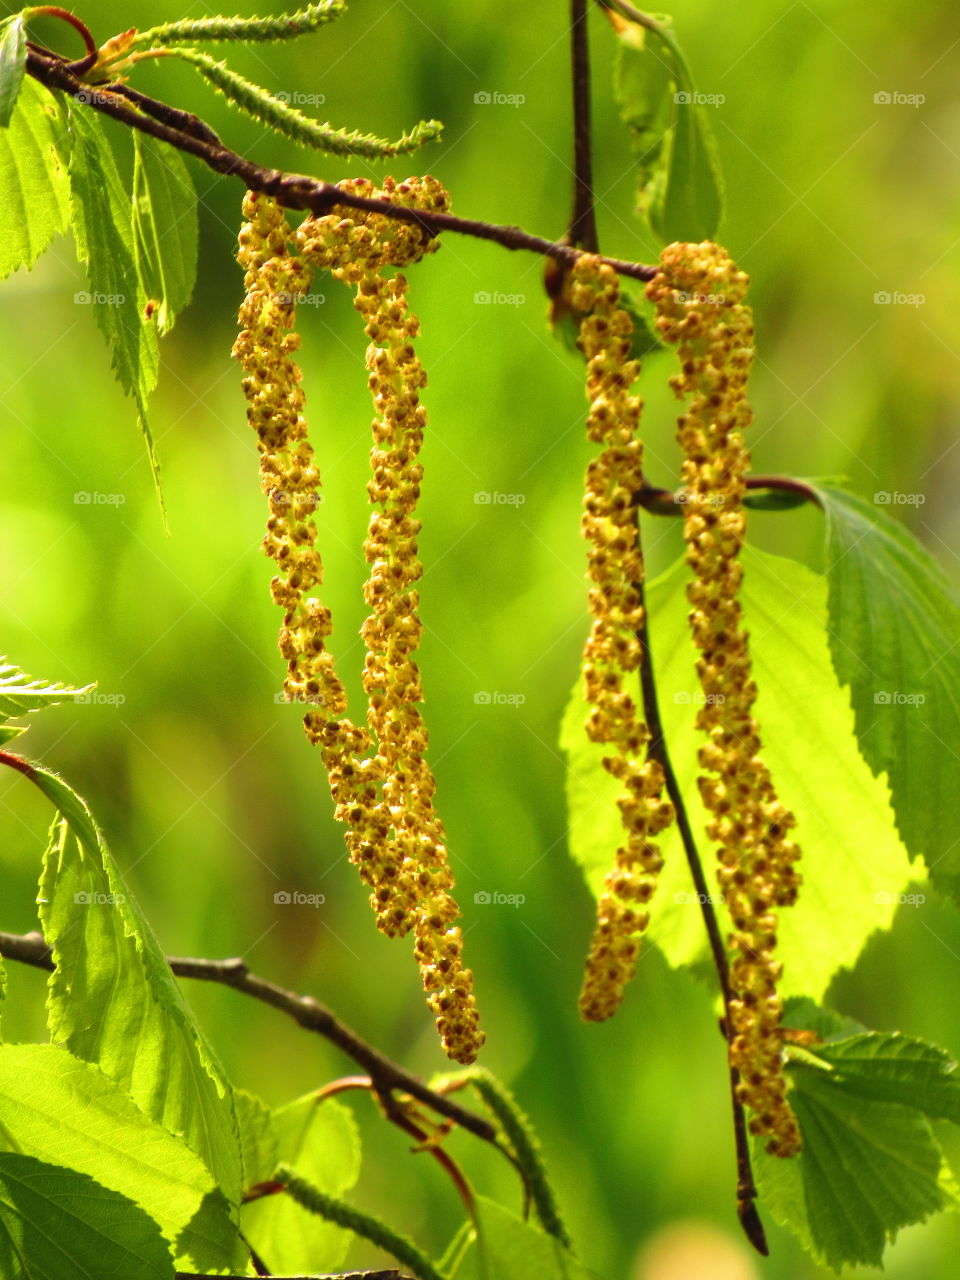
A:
388	1076
657	750
292	190
583	224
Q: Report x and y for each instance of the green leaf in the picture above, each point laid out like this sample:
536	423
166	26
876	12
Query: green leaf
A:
13	61
273	111
165	227
57	1224
33	178
508	1248
320	1137
854	866
870	1163
100	214
894	624
20	694
282	27
891	1067
258	1139
67	1112
114	1001
678	173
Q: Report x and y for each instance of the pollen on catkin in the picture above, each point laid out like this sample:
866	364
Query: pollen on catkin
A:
699	294
382	786
613	653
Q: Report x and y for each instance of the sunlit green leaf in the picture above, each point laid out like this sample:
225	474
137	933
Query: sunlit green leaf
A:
507	1248
870	1163
320	1137
114	1001
20	694
164	227
854	867
13	61
33	178
67	1112
895	640
58	1224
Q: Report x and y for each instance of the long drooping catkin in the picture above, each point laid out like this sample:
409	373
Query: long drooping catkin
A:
699	298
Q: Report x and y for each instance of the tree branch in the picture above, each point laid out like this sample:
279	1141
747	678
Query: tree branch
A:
292	190
583	223
387	1076
657	750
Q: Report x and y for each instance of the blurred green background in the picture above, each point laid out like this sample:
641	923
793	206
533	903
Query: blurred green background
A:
210	796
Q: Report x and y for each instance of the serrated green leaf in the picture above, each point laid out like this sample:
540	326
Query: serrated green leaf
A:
854	866
891	1067
867	1169
13	61
686	199
101	219
57	1224
258	1138
33	178
67	1112
773	500
114	1001
20	694
165	227
894	628
507	1248
805	1014
321	1137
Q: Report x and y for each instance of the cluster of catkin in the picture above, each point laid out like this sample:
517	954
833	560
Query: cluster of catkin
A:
699	294
382	786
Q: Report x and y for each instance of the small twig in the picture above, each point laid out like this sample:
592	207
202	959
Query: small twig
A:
388	1076
338	1275
583	224
292	190
657	750
670	502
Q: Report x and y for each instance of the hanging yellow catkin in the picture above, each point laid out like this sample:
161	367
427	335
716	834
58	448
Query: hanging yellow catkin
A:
699	295
380	781
612	654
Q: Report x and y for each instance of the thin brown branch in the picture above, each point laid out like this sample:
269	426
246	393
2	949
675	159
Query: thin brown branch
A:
672	502
388	1076
657	750
338	1275
292	190
583	224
